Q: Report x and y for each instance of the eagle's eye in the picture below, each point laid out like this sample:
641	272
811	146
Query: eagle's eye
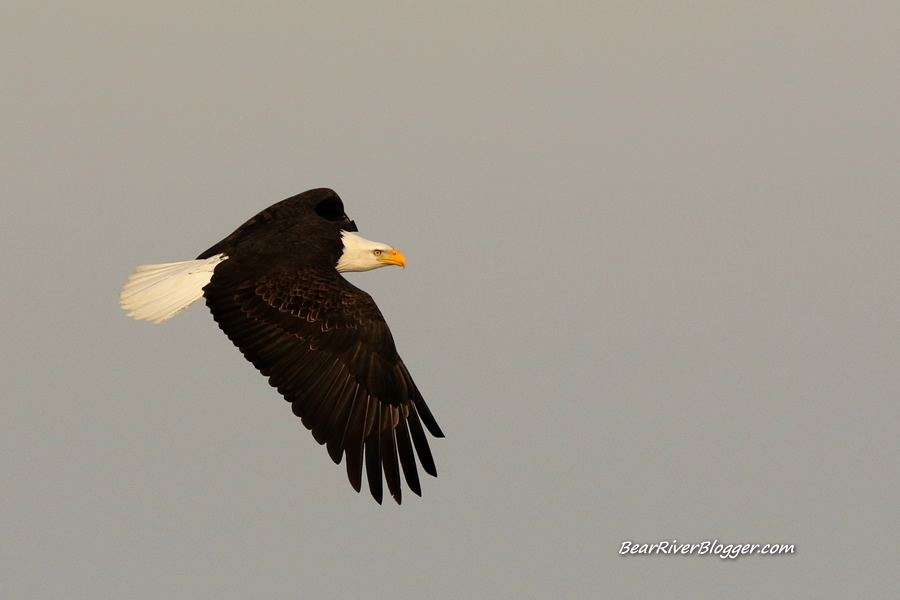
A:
377	252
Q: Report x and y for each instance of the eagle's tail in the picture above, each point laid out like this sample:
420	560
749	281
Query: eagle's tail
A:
159	292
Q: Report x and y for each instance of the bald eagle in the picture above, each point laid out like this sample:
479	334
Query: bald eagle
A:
275	288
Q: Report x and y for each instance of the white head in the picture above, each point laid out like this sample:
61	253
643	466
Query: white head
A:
361	254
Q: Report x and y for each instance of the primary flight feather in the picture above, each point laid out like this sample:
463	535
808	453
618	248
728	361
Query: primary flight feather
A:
275	288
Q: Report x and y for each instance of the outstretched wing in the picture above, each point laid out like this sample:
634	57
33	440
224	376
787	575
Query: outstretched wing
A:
325	346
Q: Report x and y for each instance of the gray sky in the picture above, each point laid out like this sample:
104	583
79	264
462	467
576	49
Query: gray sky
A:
651	295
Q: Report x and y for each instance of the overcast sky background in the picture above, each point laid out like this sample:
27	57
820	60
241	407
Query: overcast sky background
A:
652	294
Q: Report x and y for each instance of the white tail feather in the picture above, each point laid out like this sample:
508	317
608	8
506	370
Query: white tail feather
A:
159	292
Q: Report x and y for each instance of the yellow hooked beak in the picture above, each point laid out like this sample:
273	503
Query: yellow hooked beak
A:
394	258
